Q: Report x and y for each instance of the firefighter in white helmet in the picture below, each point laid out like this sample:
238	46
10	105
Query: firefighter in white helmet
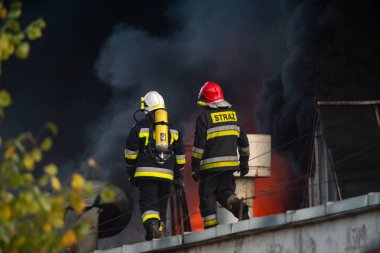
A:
219	133
155	158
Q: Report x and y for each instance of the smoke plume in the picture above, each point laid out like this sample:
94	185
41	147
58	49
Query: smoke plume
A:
333	55
235	43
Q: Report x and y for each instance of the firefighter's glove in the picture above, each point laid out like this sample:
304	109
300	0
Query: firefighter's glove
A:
131	174
244	169
178	179
178	184
195	173
195	176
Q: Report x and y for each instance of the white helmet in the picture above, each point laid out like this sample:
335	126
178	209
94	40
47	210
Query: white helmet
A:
153	101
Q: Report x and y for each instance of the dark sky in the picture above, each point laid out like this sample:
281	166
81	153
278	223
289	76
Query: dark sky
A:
96	58
58	82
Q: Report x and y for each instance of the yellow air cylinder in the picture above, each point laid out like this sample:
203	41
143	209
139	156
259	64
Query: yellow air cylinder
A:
161	130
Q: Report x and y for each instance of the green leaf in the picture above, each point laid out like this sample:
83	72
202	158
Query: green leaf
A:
4	41
16	5
7	197
45	203
22	50
15	180
33	208
27	196
52	127
51	169
40	23
33	32
14	13
82	229
17	38
107	194
43	181
46	144
37	154
28	162
4	235
5	54
28	179
15	10
13	25
18	144
5	98
55	183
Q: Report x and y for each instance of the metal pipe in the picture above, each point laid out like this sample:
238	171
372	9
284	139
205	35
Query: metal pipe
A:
374	102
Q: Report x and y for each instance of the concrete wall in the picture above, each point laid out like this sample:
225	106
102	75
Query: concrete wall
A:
351	225
350	234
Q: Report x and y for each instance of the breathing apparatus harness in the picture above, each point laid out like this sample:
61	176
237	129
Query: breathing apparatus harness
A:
158	147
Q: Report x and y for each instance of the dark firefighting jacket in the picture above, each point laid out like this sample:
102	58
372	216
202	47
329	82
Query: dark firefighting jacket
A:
139	160
219	133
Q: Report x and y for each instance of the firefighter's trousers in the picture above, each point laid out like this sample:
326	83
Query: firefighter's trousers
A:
153	200
217	186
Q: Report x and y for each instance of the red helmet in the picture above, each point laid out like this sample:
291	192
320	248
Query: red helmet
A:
210	92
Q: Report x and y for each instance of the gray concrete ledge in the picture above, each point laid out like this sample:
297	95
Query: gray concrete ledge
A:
360	204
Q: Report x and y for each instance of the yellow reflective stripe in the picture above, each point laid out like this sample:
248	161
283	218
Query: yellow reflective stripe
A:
223	133
181	161
210	223
219	164
129	156
153	174
196	155
146	136
158	105
174	137
151	216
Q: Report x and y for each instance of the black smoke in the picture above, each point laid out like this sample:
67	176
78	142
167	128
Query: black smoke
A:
97	58
333	54
235	43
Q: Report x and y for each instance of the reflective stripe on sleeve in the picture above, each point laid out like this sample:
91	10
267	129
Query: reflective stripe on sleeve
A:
180	159
244	151
144	133
174	135
130	154
197	153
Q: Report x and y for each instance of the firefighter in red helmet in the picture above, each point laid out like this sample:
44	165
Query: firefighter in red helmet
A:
155	158
219	133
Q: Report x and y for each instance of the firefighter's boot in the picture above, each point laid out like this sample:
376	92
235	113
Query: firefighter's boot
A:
152	228
234	205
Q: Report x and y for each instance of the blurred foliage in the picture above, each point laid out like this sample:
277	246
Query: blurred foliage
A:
32	208
33	201
14	40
